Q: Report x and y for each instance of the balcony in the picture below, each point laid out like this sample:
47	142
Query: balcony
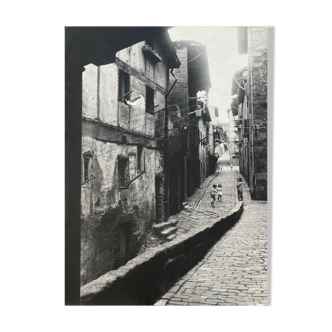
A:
151	54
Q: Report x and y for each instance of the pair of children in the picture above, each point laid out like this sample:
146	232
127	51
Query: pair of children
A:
216	194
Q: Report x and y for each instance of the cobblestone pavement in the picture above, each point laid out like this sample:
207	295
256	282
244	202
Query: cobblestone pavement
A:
234	271
199	211
204	212
191	218
226	178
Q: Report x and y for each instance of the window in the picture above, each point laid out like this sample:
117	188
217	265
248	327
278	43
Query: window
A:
149	100
123	175
123	84
246	128
207	134
140	159
87	158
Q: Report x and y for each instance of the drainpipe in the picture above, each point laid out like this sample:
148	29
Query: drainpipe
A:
167	94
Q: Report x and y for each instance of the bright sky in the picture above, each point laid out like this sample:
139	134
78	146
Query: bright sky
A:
224	61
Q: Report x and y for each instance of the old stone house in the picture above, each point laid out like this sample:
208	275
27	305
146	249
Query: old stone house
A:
233	137
207	159
185	165
240	108
250	86
124	125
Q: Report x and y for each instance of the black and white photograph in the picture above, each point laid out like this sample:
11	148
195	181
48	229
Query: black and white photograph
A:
171	207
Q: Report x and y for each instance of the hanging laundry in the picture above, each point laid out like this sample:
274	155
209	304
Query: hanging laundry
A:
136	102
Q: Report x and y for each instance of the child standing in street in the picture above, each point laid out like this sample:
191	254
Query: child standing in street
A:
219	189
214	194
239	189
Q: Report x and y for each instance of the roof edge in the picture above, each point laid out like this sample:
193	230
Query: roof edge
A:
168	49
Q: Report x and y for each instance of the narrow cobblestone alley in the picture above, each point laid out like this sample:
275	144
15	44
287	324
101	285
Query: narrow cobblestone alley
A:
199	211
195	218
234	271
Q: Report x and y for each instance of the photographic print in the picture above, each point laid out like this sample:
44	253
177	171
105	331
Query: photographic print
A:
166	166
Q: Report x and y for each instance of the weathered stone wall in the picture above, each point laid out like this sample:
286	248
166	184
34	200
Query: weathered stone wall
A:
258	60
177	146
161	70
149	275
116	221
202	151
103	204
90	91
137	115
178	95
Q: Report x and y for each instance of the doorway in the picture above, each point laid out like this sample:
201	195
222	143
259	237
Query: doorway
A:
159	192
125	243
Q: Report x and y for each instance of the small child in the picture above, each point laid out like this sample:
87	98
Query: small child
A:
239	189
219	189
213	194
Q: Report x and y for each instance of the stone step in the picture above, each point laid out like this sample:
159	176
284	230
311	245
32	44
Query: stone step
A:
188	208
157	228
171	237
168	232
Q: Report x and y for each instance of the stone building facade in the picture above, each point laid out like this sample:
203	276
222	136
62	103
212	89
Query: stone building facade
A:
233	138
206	147
123	153
250	86
186	124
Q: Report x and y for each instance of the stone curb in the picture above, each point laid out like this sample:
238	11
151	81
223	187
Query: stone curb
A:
146	277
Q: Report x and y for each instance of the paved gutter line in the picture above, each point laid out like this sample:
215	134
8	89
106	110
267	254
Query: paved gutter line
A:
196	207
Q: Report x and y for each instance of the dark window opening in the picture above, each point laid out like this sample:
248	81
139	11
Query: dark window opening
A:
123	171
207	134
140	159
123	85
86	168
246	128
87	158
149	100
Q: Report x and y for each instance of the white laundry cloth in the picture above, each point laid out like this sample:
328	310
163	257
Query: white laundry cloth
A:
137	102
